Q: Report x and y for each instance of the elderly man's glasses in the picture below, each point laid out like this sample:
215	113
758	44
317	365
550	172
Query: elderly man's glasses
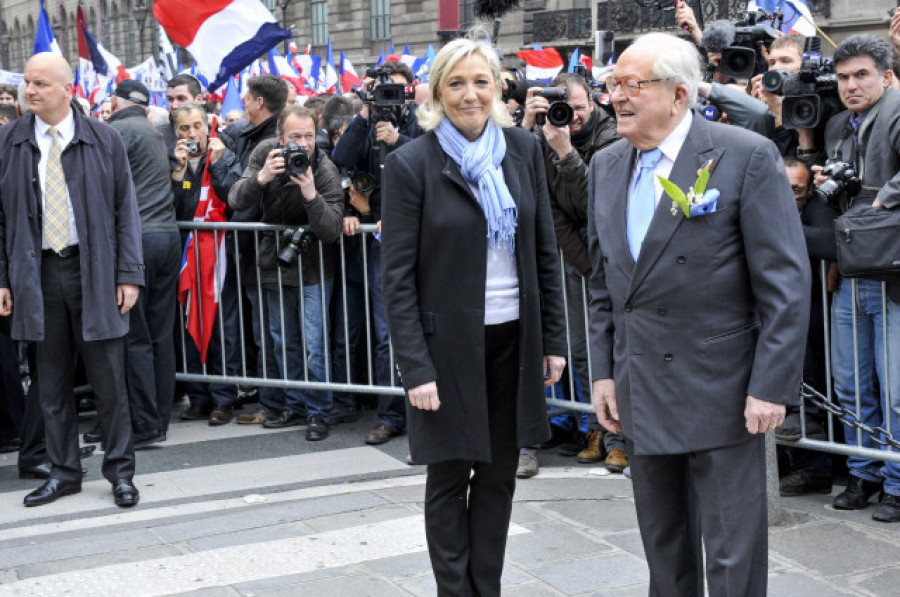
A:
629	86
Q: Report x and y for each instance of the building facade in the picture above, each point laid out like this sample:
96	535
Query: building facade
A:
364	29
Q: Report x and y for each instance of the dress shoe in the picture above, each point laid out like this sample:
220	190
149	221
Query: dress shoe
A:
857	494
125	493
195	412
616	461
528	466
50	491
286	418
254	417
221	415
888	510
147	439
381	434
594	451
10	445
86	405
797	483
316	429
94	436
86	451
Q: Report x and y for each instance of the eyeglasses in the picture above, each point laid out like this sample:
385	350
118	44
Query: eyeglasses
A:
630	87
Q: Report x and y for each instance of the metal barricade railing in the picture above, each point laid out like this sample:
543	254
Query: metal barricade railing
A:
233	369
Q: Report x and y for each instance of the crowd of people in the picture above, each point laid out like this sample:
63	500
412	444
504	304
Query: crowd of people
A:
91	249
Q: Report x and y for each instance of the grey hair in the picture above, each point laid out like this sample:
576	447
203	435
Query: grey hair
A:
447	58
676	60
189	107
866	44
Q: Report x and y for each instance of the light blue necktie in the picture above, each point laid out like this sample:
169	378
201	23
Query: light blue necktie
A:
643	201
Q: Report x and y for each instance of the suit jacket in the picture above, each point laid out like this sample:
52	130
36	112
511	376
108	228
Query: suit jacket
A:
434	271
716	306
106	218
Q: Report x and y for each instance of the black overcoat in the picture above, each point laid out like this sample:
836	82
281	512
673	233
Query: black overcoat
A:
434	260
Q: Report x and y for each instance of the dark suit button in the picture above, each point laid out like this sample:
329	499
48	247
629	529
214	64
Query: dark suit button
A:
668	356
681	259
31	253
30	216
661	310
628	307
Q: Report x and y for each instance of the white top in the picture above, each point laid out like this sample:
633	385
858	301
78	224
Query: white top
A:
501	288
66	130
670	147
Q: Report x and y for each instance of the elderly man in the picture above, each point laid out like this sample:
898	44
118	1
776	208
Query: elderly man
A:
70	257
698	324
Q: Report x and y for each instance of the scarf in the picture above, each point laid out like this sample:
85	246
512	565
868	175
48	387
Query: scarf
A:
583	136
478	161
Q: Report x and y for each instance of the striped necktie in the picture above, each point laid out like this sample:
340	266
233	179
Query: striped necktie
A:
56	205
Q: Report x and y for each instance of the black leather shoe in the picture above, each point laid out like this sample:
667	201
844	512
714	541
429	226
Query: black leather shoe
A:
286	418
857	494
799	484
94	436
86	451
888	510
52	490
145	440
316	429
125	493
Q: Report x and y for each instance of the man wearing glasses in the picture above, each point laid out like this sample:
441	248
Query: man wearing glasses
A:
698	324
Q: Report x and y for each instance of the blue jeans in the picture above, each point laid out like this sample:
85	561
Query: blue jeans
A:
871	363
304	326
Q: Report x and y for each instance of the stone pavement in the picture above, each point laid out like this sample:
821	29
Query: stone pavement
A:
574	533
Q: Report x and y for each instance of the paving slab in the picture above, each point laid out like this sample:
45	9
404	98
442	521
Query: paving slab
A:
48	551
618	570
346	586
795	584
360	516
601	515
550	542
91	561
823	547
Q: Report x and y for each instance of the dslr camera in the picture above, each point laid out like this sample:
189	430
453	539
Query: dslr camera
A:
743	59
844	183
297	242
387	98
810	95
362	181
560	113
296	160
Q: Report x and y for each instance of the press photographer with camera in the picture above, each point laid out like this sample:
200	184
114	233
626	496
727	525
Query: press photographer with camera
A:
863	150
296	186
571	129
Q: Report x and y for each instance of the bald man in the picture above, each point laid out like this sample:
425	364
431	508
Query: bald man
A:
70	268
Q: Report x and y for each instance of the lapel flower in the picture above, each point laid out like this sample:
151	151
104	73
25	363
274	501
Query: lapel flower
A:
698	200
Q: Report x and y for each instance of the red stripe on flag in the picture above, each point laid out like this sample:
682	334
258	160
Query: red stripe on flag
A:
546	58
182	18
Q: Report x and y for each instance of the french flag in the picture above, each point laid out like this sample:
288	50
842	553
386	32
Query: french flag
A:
223	36
328	75
308	66
541	65
96	66
44	40
797	16
203	265
349	77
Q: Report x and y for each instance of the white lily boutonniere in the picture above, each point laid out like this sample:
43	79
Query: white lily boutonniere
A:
698	200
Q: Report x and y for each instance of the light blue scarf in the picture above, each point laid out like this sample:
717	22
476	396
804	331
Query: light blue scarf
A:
478	161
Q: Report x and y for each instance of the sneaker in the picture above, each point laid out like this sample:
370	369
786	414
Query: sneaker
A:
616	461
528	466
286	418
254	417
195	412
594	451
888	510
221	415
857	494
790	430
797	483
316	428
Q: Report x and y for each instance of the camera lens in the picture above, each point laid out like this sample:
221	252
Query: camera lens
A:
772	81
804	114
560	114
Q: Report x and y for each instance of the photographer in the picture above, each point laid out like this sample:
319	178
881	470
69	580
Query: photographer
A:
866	138
567	152
366	142
296	185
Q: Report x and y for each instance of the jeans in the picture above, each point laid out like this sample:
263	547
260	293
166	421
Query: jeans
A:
305	325
871	362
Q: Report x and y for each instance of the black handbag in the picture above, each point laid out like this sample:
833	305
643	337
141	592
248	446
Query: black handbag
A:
868	242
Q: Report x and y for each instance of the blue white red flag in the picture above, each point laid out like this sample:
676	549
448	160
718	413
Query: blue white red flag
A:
44	40
349	77
203	265
797	16
308	66
407	58
328	76
224	36
541	65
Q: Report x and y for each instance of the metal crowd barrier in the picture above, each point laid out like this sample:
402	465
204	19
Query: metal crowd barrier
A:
233	369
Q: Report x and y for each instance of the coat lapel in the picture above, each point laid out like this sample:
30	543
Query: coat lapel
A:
618	206
696	150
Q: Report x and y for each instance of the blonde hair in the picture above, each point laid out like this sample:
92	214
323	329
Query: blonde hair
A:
446	60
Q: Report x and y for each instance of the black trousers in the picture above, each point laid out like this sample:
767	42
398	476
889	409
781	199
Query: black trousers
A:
150	348
12	399
718	494
104	363
468	504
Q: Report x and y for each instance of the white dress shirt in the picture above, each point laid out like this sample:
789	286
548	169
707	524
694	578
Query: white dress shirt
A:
66	130
670	148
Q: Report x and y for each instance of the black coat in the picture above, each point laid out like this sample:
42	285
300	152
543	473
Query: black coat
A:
106	218
434	265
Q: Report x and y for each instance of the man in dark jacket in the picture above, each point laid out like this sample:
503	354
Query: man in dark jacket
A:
567	153
70	256
310	197
148	345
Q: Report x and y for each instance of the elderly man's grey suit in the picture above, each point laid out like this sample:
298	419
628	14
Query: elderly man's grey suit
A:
715	308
